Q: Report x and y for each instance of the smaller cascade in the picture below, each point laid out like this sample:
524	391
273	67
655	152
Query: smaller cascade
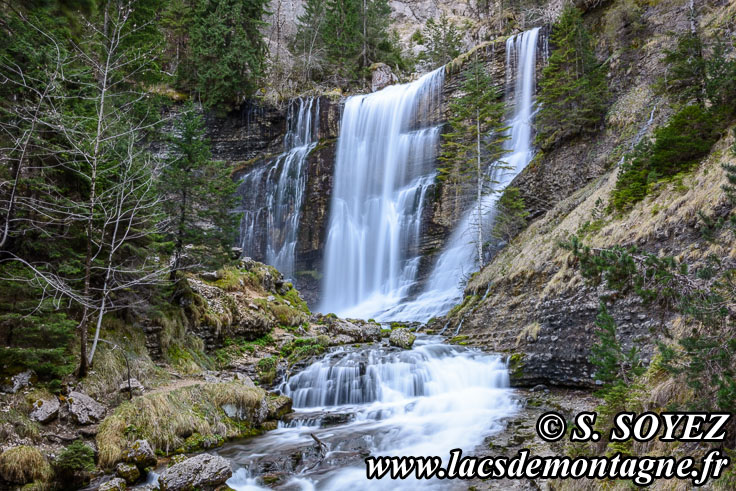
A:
444	287
273	194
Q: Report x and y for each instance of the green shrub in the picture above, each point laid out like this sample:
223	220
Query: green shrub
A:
676	147
75	457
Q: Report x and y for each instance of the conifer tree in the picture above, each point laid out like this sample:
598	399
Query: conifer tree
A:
442	40
200	199
474	141
228	52
574	90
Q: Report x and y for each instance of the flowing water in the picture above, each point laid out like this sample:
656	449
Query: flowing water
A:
385	166
272	195
369	265
378	401
445	285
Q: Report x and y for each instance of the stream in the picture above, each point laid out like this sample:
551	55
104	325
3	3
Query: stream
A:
376	401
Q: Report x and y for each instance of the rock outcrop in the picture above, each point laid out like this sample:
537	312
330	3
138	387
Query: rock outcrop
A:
83	409
381	76
202	471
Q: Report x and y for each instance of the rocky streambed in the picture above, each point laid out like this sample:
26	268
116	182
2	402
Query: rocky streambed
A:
376	399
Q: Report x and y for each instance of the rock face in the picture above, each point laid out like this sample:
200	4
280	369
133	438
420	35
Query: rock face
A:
84	409
202	471
45	410
140	454
531	301
403	338
381	76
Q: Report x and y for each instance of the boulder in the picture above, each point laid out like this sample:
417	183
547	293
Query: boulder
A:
381	76
135	385
403	338
129	472
115	484
350	332
141	454
278	407
17	382
45	410
203	471
84	409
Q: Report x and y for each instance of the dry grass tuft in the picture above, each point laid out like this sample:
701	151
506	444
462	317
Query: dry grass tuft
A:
167	419
24	464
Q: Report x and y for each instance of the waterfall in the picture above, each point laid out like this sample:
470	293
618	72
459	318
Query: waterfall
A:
272	195
445	284
382	401
383	171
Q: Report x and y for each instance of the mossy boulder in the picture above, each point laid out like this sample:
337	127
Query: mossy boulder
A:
402	338
129	472
140	453
278	407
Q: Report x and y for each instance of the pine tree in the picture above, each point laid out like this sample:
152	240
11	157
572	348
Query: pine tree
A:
614	365
200	199
686	77
228	52
344	34
574	90
442	40
474	141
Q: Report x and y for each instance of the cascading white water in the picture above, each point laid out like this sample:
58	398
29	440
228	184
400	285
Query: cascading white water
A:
384	168
425	401
444	286
273	194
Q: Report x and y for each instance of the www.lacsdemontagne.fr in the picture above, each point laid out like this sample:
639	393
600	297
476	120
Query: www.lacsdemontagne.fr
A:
642	471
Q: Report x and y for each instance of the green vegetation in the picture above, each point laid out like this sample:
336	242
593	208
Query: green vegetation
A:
76	457
615	365
338	40
200	195
474	140
301	348
442	39
227	50
704	358
167	419
573	89
511	214
704	80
